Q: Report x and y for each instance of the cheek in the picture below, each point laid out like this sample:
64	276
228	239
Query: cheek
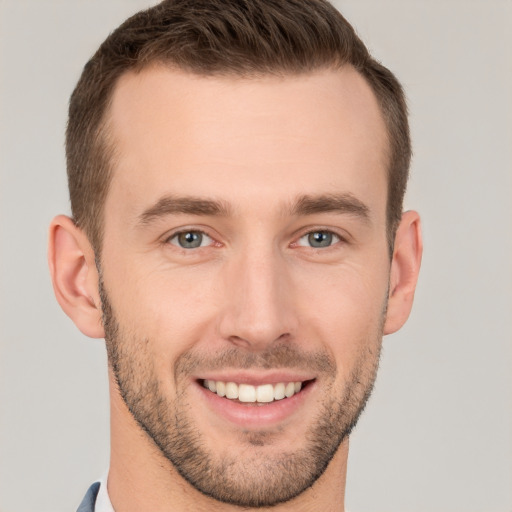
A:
170	309
344	309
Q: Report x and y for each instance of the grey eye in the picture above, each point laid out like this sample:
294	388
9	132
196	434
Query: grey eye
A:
318	239
190	239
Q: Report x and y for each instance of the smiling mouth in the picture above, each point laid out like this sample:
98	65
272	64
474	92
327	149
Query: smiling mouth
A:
246	393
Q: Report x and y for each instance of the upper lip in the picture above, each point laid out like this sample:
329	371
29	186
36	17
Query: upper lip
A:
255	378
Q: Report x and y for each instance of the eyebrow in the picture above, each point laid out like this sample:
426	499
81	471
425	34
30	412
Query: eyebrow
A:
336	203
304	205
169	205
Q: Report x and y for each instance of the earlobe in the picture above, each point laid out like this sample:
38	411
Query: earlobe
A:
74	275
405	268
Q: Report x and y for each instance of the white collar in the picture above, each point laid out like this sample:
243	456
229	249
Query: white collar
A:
103	503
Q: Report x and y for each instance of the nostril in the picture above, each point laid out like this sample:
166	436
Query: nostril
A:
258	339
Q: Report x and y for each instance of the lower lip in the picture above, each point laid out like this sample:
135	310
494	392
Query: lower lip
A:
254	415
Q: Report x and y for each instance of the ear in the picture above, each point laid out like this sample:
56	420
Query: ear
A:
405	267
74	275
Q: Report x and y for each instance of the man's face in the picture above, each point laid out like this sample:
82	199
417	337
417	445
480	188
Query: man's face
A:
245	245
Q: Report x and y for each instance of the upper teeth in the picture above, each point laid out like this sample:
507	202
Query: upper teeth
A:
248	393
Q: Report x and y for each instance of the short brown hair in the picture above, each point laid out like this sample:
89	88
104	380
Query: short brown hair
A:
221	37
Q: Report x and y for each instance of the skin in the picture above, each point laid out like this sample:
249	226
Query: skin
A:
256	146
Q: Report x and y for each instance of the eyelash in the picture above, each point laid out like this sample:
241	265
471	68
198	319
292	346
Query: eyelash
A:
196	232
333	239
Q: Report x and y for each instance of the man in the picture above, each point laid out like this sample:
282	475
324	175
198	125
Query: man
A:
236	173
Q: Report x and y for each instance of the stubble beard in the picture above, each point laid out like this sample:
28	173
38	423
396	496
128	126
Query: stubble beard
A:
247	481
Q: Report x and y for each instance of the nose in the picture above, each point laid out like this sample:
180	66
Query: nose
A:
258	307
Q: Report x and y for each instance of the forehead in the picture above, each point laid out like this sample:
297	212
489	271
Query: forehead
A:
245	138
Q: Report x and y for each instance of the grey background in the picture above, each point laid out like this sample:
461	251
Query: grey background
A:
437	435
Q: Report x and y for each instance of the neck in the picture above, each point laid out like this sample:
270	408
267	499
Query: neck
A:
141	478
